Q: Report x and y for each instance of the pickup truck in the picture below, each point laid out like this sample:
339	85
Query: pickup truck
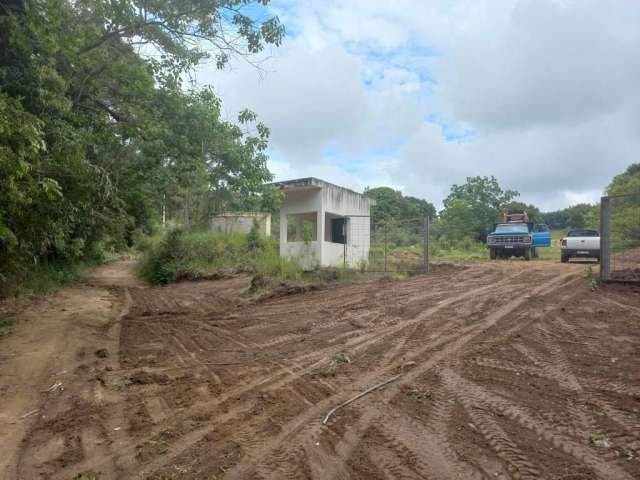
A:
518	239
580	243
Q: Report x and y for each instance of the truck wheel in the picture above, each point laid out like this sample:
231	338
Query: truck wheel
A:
492	253
564	259
527	253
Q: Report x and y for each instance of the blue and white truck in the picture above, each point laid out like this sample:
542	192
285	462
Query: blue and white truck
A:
517	237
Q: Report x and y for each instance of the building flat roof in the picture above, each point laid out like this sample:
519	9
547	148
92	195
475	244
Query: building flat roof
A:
309	182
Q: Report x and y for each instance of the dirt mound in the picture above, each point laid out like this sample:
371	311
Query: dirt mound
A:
144	377
626	275
284	289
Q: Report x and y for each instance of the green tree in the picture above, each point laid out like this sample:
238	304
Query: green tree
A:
391	203
97	140
471	209
627	182
582	215
625	210
403	216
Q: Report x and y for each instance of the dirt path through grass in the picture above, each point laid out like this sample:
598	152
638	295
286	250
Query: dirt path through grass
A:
46	361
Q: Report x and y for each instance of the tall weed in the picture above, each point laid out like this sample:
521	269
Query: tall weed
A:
191	254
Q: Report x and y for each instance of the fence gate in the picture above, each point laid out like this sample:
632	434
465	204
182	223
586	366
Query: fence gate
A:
397	245
620	238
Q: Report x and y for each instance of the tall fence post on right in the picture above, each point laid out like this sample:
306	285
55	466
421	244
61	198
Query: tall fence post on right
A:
386	236
426	253
605	238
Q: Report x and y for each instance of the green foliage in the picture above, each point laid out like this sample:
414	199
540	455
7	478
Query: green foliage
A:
471	209
184	254
626	182
6	325
391	203
96	141
462	249
255	241
582	215
307	232
592	279
625	211
398	218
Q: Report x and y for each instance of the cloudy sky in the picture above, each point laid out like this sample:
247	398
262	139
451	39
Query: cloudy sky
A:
418	95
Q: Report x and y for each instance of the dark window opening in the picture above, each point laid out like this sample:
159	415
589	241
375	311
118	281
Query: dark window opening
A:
338	230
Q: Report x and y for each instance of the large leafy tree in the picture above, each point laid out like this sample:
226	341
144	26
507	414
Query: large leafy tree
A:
97	133
391	204
625	209
582	215
401	216
471	209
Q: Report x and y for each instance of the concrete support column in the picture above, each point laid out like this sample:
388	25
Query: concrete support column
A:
320	232
283	231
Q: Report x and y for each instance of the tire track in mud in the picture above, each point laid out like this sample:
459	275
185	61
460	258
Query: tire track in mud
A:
392	463
383	334
556	367
313	431
286	372
296	427
623	432
473	395
505	448
463	337
466	336
423	448
357	344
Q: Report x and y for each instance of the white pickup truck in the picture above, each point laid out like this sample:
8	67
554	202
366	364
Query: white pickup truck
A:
580	243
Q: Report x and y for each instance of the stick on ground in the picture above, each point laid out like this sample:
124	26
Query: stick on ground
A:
360	395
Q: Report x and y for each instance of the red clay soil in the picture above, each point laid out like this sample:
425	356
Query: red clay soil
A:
509	370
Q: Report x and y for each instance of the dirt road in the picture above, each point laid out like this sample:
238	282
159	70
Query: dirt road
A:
509	370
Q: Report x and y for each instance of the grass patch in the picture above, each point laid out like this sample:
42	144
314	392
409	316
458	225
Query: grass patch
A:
48	278
334	363
470	250
190	255
181	254
6	325
474	250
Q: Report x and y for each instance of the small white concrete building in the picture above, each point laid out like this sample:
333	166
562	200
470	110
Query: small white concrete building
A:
240	222
324	224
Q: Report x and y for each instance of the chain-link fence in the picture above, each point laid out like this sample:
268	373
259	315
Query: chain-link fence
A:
620	238
393	245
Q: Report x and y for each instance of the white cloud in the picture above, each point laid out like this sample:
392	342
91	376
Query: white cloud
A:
547	88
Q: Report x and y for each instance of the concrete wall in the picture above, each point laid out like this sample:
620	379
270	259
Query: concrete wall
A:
240	223
306	254
327	201
302	201
344	202
358	240
356	208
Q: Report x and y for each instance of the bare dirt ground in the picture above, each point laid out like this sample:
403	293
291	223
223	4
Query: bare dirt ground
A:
509	370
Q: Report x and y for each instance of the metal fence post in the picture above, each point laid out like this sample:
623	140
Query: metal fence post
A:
605	238
427	234
386	230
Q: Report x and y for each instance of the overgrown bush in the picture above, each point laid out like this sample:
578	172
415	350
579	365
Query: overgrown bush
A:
184	254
